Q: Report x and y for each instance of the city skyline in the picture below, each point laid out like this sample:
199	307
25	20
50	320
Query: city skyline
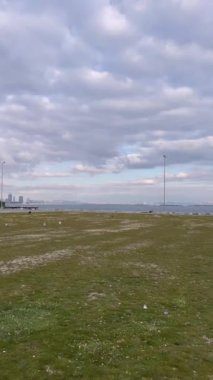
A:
94	94
11	198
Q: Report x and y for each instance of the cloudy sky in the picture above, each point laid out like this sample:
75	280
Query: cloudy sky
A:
93	93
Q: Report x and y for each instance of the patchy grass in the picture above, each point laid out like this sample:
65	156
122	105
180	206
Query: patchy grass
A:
105	296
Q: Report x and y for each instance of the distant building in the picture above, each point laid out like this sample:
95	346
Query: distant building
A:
21	199
10	198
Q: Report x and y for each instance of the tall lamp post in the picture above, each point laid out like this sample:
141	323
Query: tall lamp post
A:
2	181
164	179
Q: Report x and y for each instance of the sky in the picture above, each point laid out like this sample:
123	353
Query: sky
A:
93	94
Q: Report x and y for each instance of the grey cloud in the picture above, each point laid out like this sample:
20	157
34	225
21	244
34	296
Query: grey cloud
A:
81	81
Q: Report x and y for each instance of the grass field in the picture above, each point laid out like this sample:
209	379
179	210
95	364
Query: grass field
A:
105	296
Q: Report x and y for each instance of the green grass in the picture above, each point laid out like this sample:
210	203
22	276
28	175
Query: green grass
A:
105	296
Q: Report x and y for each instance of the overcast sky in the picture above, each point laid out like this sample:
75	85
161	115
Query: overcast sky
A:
93	93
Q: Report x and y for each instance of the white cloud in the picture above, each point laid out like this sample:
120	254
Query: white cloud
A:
188	4
182	175
89	169
112	21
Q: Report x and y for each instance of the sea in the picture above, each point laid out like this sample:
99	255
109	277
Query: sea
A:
130	208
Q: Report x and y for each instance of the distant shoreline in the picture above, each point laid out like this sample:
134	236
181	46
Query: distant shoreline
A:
116	208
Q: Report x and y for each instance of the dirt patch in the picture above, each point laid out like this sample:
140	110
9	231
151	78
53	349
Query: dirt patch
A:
21	263
46	236
153	270
94	296
129	248
124	227
22	238
208	340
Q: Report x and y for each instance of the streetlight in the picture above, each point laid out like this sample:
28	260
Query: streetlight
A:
2	181
164	179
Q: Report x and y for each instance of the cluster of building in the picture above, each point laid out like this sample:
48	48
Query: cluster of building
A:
11	199
11	203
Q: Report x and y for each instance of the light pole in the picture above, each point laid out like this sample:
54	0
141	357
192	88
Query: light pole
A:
164	179
2	181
